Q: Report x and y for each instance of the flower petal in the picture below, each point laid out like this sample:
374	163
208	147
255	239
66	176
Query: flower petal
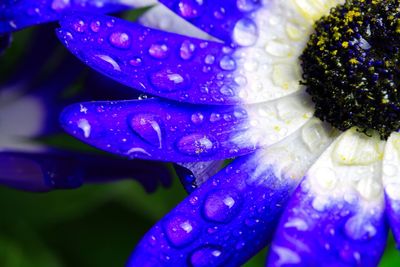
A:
17	15
42	172
218	18
336	215
391	183
233	214
162	18
167	131
156	62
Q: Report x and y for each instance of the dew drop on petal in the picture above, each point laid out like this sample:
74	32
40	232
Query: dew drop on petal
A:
180	230
206	256
197	118
120	40
245	32
221	206
187	50
169	80
197	144
95	26
190	9
227	63
158	51
79	26
148	127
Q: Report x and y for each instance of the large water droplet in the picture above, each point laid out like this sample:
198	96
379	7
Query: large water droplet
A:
159	51
206	256
169	80
180	230
187	50
190	8
148	127
245	32
221	206
197	145
120	40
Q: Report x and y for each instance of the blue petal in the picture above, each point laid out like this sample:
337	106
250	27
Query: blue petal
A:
160	130
17	15
217	18
223	223
336	216
156	62
46	171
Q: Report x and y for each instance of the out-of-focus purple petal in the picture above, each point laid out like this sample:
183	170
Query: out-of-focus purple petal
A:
218	18
5	41
156	62
17	15
46	171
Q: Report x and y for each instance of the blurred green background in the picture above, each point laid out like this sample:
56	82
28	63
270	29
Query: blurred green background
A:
96	225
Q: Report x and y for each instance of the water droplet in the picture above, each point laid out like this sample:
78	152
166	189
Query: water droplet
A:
227	90
197	118
219	13
159	51
136	62
110	60
205	256
120	40
245	32
95	26
180	230
190	8
197	144
210	59
169	80
187	50
79	26
227	63
214	117
247	5
278	49
148	127
59	5
221	206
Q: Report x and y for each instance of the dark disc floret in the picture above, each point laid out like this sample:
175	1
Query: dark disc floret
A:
351	66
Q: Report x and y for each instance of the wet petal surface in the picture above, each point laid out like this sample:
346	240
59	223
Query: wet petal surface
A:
46	171
336	215
233	214
167	131
391	183
17	15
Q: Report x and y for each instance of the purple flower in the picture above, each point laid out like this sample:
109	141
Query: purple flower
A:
318	196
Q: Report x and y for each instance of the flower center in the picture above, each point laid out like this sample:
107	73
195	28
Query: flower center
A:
351	66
